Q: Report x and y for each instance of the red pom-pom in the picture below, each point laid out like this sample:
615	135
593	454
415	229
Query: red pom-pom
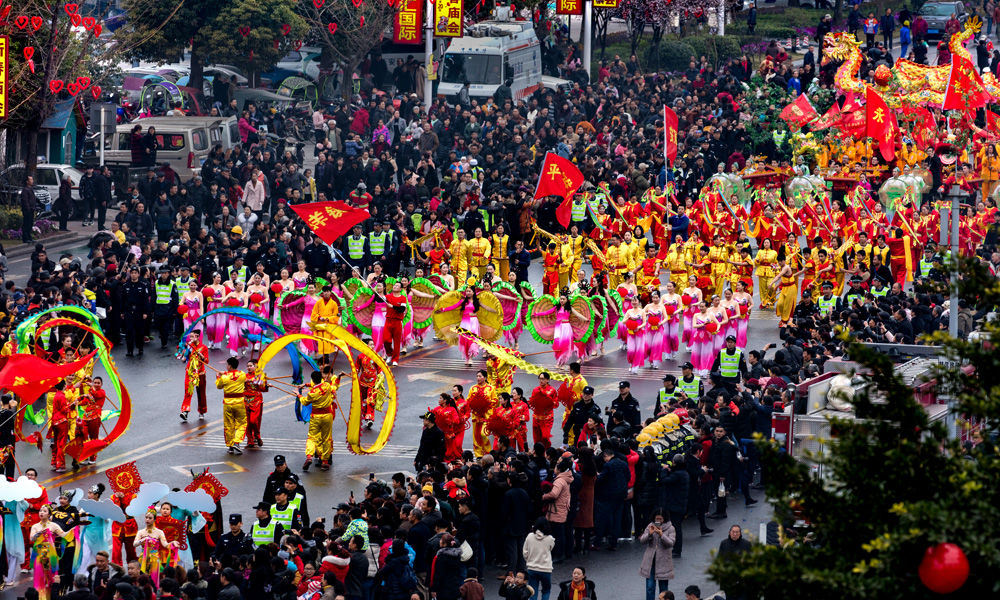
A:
277	288
671	309
712	327
686	299
208	292
500	423
944	568
182	309
256	297
653	319
480	404
744	310
233	302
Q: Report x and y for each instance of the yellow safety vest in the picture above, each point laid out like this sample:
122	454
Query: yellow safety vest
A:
263	536
729	364
356	247
690	387
376	243
163	292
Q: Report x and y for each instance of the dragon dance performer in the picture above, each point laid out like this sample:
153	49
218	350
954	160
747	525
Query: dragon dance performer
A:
232	382
92	404
482	401
253	393
326	310
367	379
151	544
44	554
322	396
544	399
194	376
61	419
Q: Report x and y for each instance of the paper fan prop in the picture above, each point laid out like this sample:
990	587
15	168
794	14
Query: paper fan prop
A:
291	307
447	316
423	297
583	328
541	319
600	308
490	315
615	310
511	301
361	309
438	281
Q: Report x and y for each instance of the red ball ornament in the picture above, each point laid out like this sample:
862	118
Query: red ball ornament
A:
256	297
182	309
712	327
208	292
882	75
276	287
944	568
233	302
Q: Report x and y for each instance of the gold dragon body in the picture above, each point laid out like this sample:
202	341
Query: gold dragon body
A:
910	84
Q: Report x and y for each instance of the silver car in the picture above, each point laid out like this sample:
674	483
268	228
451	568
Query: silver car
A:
937	14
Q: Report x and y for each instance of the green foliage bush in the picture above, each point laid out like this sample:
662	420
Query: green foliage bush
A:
674	55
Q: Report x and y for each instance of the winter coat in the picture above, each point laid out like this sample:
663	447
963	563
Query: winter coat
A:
537	551
254	195
396	580
675	485
585	509
559	498
515	508
612	481
657	558
447	573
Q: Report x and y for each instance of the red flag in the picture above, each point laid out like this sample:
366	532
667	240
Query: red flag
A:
992	121
829	118
29	376
922	126
852	118
880	123
800	112
669	135
559	177
330	220
965	87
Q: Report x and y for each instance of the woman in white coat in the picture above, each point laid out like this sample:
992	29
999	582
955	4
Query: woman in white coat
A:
657	559
254	193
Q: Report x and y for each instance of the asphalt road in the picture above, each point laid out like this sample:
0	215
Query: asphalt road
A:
165	448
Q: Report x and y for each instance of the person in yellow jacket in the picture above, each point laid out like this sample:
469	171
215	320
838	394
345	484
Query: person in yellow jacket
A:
501	260
459	253
480	251
989	168
232	382
566	261
718	255
676	261
766	259
325	311
322	396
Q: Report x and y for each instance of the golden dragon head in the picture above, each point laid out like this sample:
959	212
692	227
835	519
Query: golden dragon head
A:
838	46
973	24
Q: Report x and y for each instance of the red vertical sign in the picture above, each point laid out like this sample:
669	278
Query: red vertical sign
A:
669	135
569	7
409	25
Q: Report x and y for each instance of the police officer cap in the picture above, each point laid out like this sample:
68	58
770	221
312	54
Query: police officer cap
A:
730	338
827	284
588	390
687	365
280	490
670	378
235	519
279	460
262	506
624	384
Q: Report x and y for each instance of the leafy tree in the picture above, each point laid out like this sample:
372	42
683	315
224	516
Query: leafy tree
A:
211	30
347	30
255	38
59	52
898	485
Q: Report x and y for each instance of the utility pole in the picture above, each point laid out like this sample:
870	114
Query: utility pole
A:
588	34
428	55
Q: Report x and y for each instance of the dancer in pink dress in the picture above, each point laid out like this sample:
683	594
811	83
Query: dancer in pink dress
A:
237	298
258	303
691	297
702	339
721	318
656	318
732	314
634	323
744	301
513	303
301	277
672	306
215	325
469	305
562	342
192	301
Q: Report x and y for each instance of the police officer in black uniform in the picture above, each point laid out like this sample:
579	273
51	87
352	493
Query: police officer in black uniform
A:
236	542
135	310
277	478
627	405
583	409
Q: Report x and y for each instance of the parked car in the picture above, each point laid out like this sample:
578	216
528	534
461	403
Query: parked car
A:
47	178
937	14
303	62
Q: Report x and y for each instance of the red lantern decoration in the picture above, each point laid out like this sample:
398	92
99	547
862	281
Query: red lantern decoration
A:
256	297
671	309
944	568
182	309
208	292
712	327
277	288
686	299
233	302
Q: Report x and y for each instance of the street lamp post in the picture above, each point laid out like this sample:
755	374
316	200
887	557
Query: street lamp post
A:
955	194
588	34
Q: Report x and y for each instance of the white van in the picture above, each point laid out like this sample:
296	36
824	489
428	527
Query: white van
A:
489	53
184	141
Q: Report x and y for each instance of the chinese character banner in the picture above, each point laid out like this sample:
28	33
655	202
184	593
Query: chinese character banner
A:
409	23
447	18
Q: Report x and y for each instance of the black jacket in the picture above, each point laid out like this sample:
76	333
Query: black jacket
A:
431	447
675	484
565	593
578	417
612	481
446	573
515	512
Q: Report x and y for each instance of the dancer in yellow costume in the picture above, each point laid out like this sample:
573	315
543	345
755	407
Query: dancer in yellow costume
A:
501	260
676	261
322	396
718	255
234	410
459	252
326	310
766	260
480	251
575	386
788	292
